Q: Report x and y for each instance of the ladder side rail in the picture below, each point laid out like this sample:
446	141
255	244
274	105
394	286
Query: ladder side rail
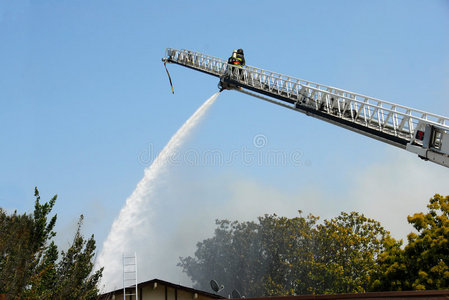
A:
306	93
129	275
196	54
325	87
277	84
353	97
383	116
366	114
439	119
385	120
197	60
393	109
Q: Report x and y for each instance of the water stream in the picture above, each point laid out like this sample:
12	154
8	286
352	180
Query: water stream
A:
132	230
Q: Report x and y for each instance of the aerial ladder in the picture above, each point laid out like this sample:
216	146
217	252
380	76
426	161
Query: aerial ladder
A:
416	131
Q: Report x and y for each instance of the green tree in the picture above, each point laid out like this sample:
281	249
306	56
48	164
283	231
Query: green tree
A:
288	247
255	258
75	279
30	267
424	262
23	244
345	253
287	256
232	257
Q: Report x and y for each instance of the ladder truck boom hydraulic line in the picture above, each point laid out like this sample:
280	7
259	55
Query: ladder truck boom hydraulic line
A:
422	133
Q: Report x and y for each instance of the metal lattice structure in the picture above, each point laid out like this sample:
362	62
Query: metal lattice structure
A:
411	129
130	276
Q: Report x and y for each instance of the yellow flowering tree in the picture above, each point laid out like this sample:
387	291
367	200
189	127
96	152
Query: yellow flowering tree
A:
423	263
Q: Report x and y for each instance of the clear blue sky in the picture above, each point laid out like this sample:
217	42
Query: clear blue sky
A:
84	98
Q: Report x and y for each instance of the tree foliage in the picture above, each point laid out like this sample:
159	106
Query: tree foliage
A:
424	262
287	256
30	266
346	251
232	257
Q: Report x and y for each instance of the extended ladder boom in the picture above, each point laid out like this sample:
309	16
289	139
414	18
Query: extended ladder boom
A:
420	132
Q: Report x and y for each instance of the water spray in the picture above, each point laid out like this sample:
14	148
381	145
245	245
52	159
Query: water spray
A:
132	230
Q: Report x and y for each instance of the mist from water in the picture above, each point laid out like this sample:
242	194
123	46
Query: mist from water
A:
133	230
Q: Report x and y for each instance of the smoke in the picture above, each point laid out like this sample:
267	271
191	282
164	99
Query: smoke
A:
138	228
398	187
170	211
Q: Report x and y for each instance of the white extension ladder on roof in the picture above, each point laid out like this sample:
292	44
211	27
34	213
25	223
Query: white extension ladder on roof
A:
130	276
420	132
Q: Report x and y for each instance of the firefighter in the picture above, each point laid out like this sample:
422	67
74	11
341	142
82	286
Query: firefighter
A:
233	58
240	57
237	59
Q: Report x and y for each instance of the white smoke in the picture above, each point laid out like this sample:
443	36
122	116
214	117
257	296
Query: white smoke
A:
134	229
